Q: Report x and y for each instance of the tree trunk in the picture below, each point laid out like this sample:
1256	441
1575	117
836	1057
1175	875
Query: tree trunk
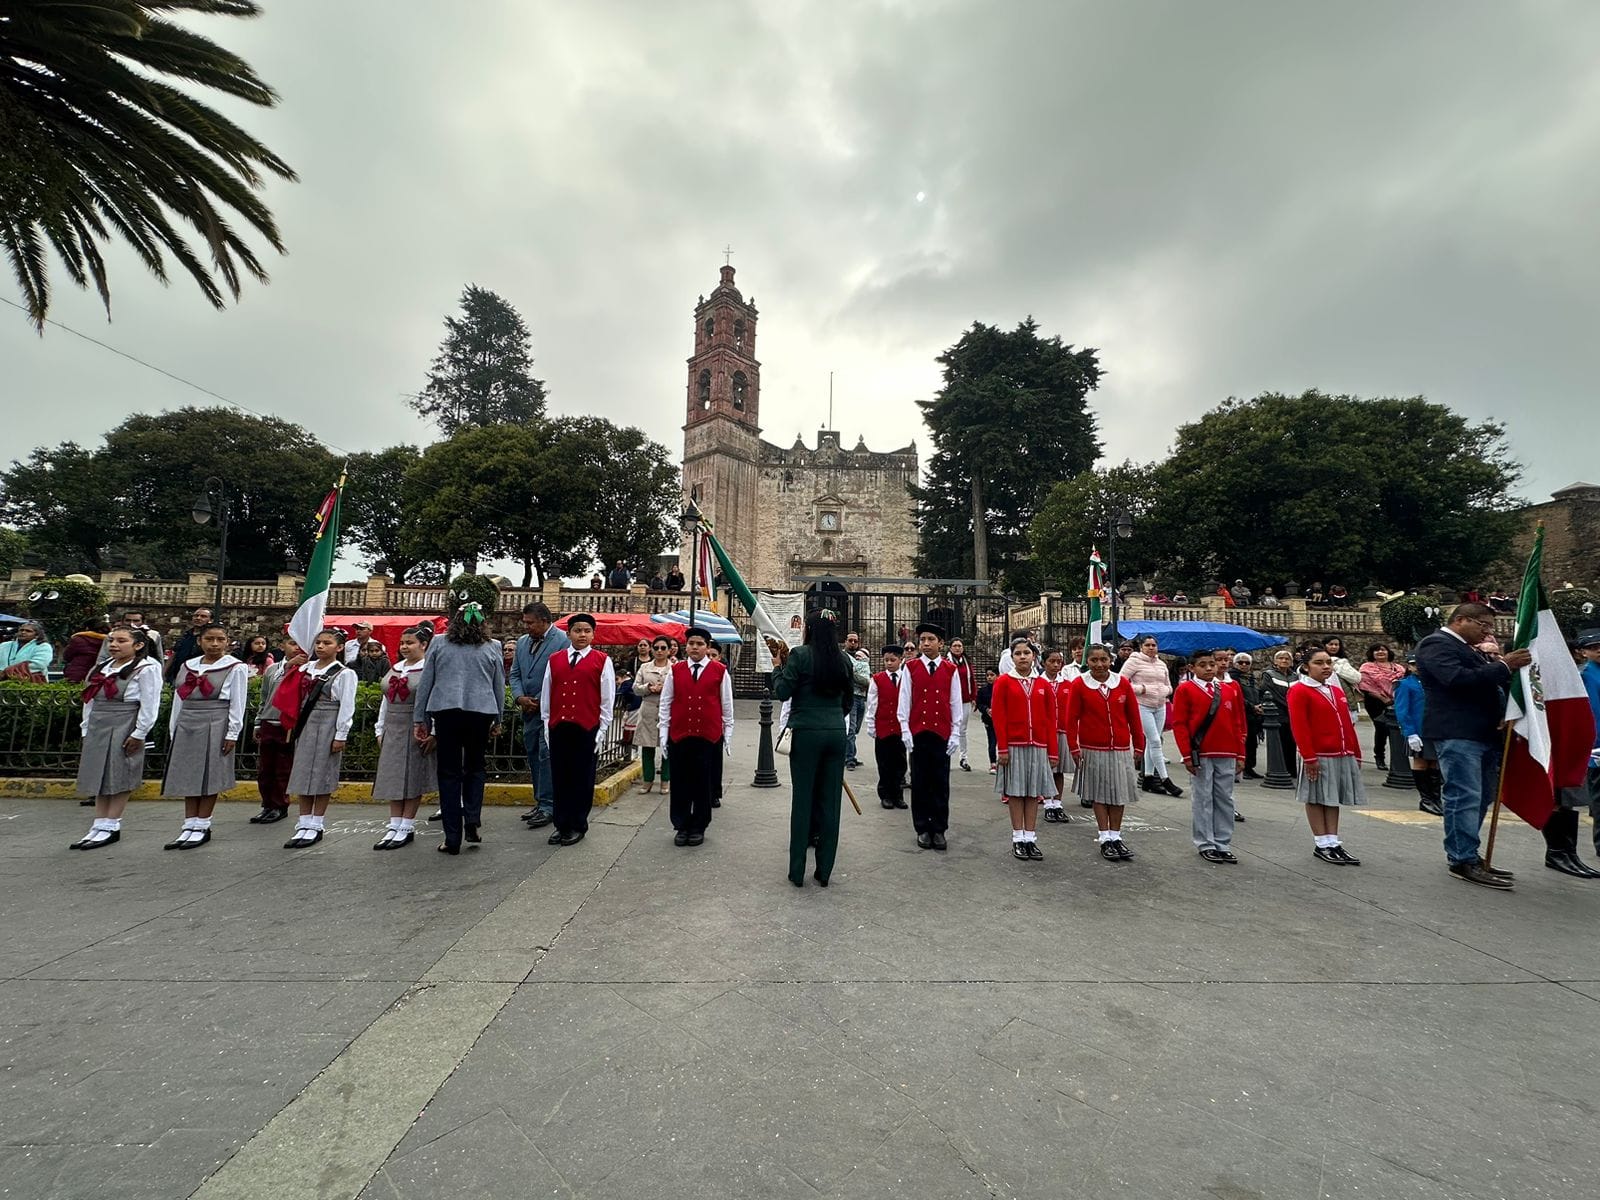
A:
980	532
527	572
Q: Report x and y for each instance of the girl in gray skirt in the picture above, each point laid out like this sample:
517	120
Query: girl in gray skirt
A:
207	718
120	704
327	709
1330	756
1024	715
406	766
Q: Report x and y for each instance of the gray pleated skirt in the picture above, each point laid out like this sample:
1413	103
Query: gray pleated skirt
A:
104	770
316	768
1027	774
404	771
1338	783
1107	777
196	765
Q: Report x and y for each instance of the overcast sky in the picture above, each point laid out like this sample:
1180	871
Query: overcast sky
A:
1223	198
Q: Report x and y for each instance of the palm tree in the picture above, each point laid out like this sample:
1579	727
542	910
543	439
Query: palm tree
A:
94	142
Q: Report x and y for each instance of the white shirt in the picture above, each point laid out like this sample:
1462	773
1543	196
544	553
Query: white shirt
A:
342	687
726	692
143	687
903	709
405	670
235	689
870	721
352	649
608	689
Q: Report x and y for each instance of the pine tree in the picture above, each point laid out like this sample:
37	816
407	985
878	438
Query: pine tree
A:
483	372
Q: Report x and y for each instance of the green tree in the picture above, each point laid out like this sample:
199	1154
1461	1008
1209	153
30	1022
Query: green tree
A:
1394	492
1079	514
97	142
61	500
65	606
1011	420
13	545
374	510
483	374
635	517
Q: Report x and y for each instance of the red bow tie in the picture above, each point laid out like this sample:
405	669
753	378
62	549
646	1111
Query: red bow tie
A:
399	690
194	682
101	685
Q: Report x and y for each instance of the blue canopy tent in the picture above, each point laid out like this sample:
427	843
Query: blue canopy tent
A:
719	627
1185	637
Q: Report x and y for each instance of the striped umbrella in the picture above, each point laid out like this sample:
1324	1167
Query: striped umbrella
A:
721	629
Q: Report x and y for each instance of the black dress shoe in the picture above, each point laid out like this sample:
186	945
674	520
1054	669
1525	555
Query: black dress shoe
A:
271	816
1019	851
260	816
1055	816
1474	873
821	881
1085	802
1122	850
1149	783
681	838
718	804
1569	863
1034	852
177	842
473	835
1238	817
1212	855
555	838
901	804
1326	854
529	815
205	836
938	841
436	815
447	848
925	840
86	803
1171	788
1433	807
572	839
1108	851
1344	856
1228	857
303	838
1495	872
1252	774
539	820
886	803
696	839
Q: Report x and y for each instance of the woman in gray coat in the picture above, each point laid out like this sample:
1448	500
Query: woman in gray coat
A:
461	694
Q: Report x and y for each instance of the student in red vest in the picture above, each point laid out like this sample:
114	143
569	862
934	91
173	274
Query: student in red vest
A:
882	724
1208	723
696	723
1104	730
1330	755
969	693
1024	715
576	702
929	710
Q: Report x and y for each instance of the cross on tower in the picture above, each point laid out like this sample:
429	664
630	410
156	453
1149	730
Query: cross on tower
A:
727	255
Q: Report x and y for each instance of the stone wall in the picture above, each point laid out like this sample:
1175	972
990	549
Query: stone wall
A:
1571	538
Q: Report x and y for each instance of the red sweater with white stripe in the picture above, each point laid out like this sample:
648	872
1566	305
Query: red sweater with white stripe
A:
1024	717
1095	722
1320	721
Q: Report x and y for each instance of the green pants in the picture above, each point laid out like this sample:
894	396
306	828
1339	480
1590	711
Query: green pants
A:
816	782
648	760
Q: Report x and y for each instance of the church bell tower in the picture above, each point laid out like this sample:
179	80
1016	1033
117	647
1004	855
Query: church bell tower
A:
721	435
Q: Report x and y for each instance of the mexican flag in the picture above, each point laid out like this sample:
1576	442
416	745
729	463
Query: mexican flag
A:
1097	590
307	620
1552	727
765	625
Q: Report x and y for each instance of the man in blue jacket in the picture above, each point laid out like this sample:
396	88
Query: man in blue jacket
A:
1463	712
534	649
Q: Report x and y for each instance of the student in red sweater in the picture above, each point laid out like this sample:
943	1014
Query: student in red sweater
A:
882	724
1057	677
1330	754
969	692
1024	715
1208	722
1104	730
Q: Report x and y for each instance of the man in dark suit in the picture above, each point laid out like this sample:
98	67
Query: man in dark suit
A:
1464	710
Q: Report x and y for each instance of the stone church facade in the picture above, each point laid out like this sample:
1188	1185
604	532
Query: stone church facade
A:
784	512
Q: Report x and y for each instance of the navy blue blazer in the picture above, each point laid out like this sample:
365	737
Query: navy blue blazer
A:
1464	692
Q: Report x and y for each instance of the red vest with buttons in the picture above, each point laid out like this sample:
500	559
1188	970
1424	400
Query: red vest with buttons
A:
575	690
930	697
886	717
696	703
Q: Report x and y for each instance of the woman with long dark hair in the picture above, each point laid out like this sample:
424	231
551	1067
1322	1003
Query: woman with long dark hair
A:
1379	676
120	706
461	693
817	681
255	655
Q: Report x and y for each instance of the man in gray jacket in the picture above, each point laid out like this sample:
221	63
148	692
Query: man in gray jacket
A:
534	649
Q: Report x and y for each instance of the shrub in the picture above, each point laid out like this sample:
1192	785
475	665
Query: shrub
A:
473	587
65	606
1408	619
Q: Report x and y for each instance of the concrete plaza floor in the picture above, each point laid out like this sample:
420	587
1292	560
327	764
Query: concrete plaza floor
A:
626	1018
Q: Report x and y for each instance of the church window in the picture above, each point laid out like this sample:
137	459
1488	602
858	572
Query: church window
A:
711	326
741	386
827	547
704	389
738	335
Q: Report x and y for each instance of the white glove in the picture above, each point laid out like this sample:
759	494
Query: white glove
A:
1415	743
952	746
906	738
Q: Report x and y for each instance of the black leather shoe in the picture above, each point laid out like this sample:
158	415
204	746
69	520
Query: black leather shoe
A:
272	816
886	803
1238	817
303	838
718	804
1149	783
1036	854
925	840
91	843
572	839
86	803
1083	803
1432	807
405	839
1227	857
1344	856
696	839
1252	774
177	842
1213	855
555	838
1055	816
1122	850
540	820
821	882
261	817
1474	873
1326	854
1019	851
1171	788
901	804
938	841
435	816
681	838
1495	872
205	836
473	835
1569	863
529	815
446	848
1108	851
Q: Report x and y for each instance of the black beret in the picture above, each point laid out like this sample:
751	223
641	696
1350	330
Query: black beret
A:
696	631
584	617
894	648
926	627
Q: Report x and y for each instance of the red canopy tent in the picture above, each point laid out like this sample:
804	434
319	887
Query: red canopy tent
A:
625	629
386	630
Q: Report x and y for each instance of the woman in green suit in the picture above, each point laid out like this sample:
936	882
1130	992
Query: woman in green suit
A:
815	679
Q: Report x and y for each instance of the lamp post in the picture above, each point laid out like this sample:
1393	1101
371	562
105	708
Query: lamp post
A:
691	526
1121	527
202	512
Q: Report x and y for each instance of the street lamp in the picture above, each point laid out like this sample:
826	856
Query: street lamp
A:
691	525
1121	527
202	511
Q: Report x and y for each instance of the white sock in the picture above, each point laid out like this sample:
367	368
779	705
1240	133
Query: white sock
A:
1029	835
408	824
1324	840
100	823
1106	835
317	823
114	824
396	823
189	822
1018	836
202	823
302	825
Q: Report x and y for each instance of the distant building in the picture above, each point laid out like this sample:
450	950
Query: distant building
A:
1571	536
783	512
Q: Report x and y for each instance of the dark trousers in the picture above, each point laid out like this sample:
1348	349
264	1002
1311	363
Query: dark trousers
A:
463	740
695	776
572	775
988	729
816	789
717	763
274	761
1561	830
1252	743
1378	711
891	755
930	783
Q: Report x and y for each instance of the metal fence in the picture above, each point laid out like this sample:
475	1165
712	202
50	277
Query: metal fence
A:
39	736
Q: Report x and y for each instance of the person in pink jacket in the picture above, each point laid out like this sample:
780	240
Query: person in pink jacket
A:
1152	688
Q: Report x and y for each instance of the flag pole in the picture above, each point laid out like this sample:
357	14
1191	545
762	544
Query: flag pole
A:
1499	795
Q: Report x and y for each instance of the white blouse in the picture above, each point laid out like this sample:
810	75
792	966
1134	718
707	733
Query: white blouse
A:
143	686
342	687
405	670
235	689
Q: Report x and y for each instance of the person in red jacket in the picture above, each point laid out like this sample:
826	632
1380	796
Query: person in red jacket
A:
695	724
929	710
1330	756
1208	723
1104	730
1024	715
969	693
882	723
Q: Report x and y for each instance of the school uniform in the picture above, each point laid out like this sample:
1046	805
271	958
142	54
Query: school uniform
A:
695	723
207	710
404	771
883	727
1026	731
576	701
323	719
115	708
1319	715
969	694
1058	687
1218	756
928	710
274	752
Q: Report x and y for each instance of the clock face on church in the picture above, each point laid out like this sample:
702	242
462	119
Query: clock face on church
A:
829	521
